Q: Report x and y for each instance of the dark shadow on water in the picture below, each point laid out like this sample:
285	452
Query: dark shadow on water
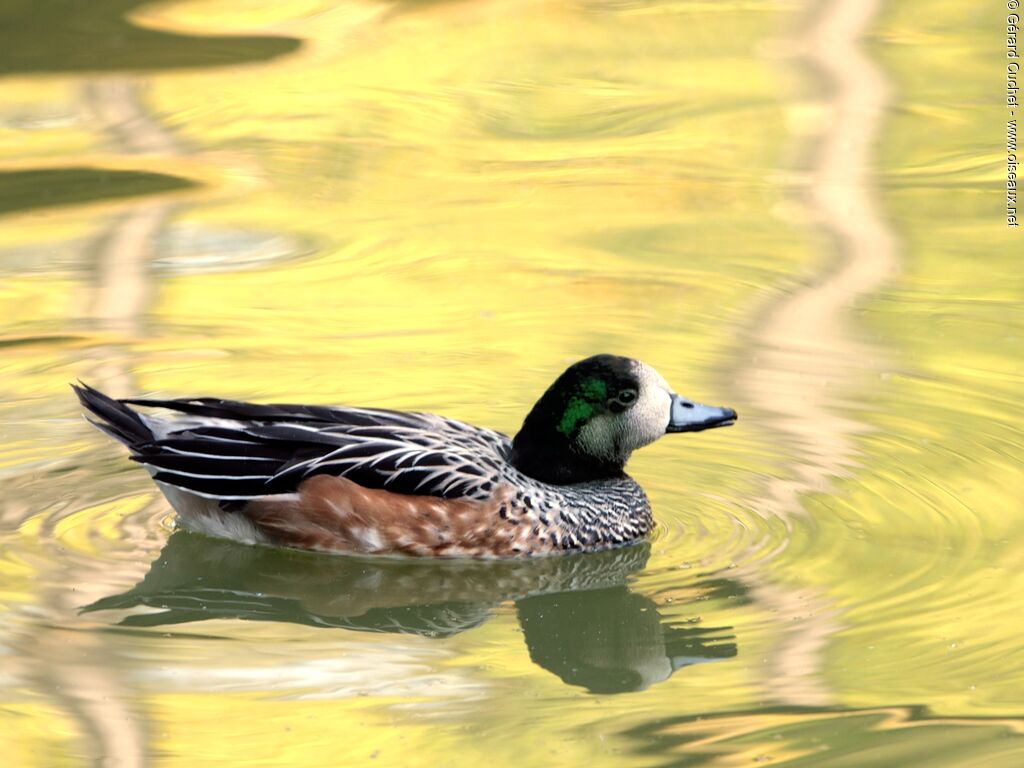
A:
97	36
49	187
822	737
579	618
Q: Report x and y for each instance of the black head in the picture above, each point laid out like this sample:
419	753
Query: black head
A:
596	414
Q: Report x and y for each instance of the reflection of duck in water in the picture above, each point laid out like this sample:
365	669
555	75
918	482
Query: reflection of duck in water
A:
612	640
370	481
579	619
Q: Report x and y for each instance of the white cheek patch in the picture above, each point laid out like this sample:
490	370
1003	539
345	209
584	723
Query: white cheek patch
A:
648	418
616	435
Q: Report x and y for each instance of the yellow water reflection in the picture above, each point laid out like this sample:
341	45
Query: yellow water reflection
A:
437	206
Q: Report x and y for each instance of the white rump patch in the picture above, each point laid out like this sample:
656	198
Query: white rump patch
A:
205	516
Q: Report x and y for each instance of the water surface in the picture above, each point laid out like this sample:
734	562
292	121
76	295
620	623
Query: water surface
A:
791	209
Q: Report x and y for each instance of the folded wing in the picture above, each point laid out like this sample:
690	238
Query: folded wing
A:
232	450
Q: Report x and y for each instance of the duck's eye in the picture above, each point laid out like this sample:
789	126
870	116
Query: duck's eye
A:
626	397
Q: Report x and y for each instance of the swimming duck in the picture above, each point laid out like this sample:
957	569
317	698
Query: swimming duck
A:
372	481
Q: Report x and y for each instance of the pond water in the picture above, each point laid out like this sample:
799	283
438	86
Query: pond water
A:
795	209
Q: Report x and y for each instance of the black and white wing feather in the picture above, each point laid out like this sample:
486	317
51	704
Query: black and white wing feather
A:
231	450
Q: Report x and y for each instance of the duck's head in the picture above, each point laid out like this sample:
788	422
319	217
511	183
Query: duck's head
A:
597	413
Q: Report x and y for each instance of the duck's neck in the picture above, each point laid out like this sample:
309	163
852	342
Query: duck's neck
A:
543	452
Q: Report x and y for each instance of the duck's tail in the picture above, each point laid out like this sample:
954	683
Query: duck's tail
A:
113	417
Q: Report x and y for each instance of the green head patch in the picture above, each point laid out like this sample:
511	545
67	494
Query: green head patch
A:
587	401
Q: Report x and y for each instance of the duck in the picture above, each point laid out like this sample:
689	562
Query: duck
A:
370	481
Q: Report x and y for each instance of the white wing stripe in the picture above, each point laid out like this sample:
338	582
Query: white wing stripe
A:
182	473
222	456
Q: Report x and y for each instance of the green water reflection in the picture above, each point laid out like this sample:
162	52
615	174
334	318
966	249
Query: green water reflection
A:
47	188
579	619
64	35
